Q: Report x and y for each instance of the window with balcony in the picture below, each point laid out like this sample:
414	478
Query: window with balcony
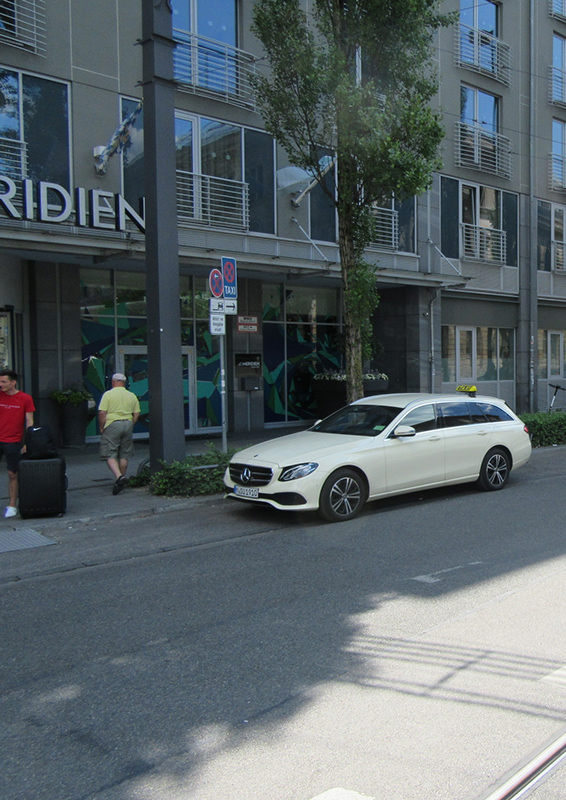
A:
486	226
557	8
225	173
22	24
478	142
558	71
482	236
478	46
34	128
207	59
551	239
558	156
395	225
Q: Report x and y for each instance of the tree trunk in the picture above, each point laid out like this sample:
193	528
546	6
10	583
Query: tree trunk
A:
352	337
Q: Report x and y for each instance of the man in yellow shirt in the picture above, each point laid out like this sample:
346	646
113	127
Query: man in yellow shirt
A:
118	412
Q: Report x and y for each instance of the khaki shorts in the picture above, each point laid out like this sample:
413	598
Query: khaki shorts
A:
116	441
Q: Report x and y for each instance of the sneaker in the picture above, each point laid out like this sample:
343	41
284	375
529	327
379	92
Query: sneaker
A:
11	511
119	485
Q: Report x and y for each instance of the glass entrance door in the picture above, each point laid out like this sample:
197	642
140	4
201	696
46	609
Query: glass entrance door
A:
133	362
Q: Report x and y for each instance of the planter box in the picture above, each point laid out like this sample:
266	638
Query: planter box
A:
74	419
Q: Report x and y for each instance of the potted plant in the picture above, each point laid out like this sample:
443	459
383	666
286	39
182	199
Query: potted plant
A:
329	389
73	414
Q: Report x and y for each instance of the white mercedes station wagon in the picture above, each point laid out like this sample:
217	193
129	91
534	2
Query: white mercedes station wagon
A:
381	446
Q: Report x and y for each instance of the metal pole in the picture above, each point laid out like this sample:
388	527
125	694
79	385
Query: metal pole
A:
167	425
223	394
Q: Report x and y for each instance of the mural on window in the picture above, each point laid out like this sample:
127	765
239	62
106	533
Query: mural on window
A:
300	339
113	321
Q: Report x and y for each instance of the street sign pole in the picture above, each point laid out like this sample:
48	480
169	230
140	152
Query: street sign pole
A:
223	394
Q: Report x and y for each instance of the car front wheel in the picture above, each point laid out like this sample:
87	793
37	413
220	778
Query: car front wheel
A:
343	496
495	469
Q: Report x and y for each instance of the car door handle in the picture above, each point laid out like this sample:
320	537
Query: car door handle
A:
434	438
482	433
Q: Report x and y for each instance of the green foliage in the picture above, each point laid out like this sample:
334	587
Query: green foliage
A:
195	475
74	396
545	428
354	79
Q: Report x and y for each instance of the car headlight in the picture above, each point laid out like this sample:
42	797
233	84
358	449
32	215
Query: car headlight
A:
297	471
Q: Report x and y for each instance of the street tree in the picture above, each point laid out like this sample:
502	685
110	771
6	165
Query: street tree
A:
354	77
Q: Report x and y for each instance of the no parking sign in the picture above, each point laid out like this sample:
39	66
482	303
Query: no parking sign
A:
216	283
230	277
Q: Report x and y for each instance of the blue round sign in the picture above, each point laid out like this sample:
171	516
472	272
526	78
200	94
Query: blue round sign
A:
216	282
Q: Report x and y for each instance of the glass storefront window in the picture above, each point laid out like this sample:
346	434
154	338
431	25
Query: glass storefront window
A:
202	297
186	296
554	352
506	354
466	354
542	355
272	301
130	293
97	294
448	353
131	330
308	304
486	359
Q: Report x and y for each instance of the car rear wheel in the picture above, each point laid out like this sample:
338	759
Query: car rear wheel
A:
495	469
343	496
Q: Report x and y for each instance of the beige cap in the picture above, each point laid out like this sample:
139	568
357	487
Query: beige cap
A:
119	376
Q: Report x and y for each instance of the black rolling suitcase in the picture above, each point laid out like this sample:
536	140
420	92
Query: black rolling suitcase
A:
42	487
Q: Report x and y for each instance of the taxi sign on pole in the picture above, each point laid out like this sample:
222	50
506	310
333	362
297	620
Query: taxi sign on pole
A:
216	282
230	277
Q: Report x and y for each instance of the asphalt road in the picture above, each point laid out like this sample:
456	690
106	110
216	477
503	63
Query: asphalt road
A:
233	652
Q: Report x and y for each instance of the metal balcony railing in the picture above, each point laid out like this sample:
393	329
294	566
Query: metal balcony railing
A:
480	51
13	158
22	25
557	86
557	172
214	202
211	68
386	233
557	8
558	250
483	244
477	148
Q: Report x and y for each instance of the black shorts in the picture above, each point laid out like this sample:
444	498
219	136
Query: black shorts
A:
13	453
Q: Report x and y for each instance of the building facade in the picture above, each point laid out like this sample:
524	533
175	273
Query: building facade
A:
472	275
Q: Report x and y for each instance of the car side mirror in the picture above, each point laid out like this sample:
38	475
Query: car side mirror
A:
403	432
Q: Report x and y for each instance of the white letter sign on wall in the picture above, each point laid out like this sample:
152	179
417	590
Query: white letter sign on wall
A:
51	202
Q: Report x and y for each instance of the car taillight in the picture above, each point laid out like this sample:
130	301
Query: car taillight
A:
525	429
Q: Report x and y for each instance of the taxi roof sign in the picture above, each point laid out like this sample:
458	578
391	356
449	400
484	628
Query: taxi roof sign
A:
468	388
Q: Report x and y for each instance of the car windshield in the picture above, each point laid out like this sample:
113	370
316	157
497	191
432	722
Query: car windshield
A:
358	420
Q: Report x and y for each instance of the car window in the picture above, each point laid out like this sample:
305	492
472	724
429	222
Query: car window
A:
494	413
358	420
421	419
452	415
477	411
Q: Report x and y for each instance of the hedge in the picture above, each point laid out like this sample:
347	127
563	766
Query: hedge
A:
546	428
198	474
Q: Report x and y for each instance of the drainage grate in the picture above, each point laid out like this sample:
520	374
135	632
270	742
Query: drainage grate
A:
22	539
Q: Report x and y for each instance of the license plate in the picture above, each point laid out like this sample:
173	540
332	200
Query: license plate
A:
246	491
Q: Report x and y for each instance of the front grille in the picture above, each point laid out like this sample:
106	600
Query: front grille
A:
258	476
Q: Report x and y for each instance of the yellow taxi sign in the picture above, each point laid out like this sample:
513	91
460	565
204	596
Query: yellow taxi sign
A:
468	388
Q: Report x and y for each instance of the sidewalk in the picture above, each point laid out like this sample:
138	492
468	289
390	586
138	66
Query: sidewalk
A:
89	495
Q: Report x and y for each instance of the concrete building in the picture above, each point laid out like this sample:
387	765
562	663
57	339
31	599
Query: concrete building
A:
472	275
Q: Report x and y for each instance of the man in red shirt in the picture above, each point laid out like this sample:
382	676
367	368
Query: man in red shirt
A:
16	415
